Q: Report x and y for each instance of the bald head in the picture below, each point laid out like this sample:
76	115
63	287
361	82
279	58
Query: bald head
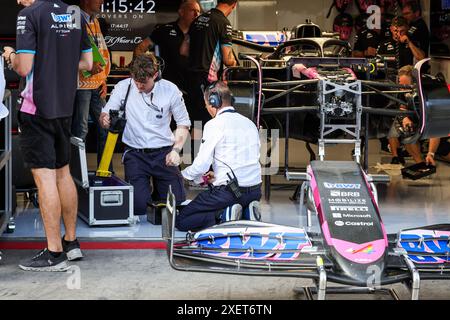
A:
91	6
188	11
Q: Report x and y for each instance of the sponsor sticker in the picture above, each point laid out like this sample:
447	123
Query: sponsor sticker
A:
329	185
349	208
352	194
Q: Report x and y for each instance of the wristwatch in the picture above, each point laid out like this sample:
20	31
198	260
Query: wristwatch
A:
431	154
177	150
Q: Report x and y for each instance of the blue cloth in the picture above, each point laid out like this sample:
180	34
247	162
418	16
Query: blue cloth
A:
140	167
201	212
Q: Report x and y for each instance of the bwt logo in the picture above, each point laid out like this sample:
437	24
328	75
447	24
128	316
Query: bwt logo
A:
342	185
62	17
269	38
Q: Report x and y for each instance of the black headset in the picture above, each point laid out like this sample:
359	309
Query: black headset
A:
214	97
160	65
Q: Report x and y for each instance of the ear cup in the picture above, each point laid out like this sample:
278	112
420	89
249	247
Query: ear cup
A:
160	65
215	100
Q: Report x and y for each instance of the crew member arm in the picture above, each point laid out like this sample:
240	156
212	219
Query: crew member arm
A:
418	53
142	47
115	100
211	137
228	56
433	145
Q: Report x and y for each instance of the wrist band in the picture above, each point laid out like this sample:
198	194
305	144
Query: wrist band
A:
431	154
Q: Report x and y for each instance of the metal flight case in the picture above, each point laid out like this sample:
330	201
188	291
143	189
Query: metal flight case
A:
101	200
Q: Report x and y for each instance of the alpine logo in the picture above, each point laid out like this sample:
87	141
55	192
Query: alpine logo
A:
368	249
62	17
342	185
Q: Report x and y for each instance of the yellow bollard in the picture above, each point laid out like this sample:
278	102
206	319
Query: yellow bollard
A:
110	145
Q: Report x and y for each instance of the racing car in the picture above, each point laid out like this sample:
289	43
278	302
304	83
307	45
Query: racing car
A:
335	90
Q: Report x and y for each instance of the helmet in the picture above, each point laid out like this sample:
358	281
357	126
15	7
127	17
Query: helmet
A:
343	24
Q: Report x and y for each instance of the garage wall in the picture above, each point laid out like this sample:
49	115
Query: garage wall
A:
270	15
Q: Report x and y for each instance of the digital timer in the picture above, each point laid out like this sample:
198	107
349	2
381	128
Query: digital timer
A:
124	6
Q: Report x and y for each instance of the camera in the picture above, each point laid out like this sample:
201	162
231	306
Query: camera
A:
118	121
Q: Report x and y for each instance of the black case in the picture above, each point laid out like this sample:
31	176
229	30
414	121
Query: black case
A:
101	201
418	170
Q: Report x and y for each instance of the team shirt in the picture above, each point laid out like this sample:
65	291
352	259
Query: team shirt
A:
169	37
149	115
366	39
54	33
229	140
207	34
418	32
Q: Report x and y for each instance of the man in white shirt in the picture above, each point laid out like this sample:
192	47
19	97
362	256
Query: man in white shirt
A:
152	150
231	144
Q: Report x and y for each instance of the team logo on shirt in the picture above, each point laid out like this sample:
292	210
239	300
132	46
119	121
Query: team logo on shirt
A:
62	18
21	22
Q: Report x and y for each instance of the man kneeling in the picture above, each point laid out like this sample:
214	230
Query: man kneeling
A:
231	144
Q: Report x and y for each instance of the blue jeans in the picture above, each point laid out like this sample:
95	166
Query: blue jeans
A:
89	102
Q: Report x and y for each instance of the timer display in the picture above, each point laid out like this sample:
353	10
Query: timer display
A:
126	6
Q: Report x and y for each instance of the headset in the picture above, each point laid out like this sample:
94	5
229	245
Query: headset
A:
214	97
160	65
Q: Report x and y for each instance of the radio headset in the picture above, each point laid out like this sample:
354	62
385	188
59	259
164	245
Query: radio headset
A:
214	97
233	183
160	65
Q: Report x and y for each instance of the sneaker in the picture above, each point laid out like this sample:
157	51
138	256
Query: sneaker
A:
252	211
398	160
72	249
44	261
231	213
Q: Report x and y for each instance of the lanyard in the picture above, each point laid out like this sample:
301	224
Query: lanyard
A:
228	111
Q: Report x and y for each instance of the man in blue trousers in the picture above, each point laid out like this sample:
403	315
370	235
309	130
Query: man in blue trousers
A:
230	143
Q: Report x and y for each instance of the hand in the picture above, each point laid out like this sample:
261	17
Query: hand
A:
209	177
404	38
104	120
96	68
430	159
7	53
103	90
173	159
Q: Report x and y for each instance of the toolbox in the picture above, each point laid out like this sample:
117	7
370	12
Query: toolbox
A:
101	200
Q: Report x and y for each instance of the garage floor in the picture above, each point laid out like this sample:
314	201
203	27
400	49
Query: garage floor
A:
133	273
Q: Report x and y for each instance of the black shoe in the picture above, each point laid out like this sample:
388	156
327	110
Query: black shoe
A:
402	153
398	160
72	249
45	261
384	145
